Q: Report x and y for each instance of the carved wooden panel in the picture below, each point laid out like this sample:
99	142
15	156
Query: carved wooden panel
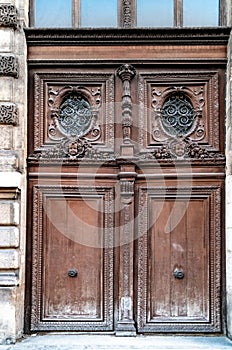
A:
179	273
59	99
165	126
72	272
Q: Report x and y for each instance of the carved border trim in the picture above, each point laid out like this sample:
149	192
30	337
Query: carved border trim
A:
210	79
213	193
9	66
173	36
8	16
8	113
40	81
107	194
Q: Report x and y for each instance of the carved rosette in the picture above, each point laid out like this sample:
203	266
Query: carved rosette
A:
126	73
8	16
8	113
8	66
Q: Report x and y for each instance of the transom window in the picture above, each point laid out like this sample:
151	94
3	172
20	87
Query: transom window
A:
126	13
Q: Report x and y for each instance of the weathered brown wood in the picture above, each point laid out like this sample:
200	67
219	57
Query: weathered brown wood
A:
129	52
186	239
165	190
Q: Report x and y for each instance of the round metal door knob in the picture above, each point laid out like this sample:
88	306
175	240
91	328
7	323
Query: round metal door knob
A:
72	273
179	274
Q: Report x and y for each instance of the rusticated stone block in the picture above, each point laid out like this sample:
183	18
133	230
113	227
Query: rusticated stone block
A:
8	113
8	16
6	94
8	299
9	259
8	161
9	237
6	136
6	40
8	66
9	213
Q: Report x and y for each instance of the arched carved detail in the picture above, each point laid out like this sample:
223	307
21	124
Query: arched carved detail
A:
73	112
167	113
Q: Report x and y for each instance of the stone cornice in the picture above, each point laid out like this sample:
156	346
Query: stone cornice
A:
117	36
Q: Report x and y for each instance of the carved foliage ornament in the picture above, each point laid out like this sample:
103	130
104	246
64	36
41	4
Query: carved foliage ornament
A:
8	16
8	113
8	66
71	148
178	124
177	111
74	112
184	149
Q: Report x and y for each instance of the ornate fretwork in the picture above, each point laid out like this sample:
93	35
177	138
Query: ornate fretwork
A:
8	16
8	113
177	115
8	66
74	111
126	73
177	112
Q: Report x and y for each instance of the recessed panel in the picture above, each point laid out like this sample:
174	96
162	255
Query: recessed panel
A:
179	260
72	275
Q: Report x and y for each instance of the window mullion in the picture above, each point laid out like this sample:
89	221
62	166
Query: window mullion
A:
178	13
76	13
127	13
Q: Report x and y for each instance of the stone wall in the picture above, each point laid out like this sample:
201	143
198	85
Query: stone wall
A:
13	116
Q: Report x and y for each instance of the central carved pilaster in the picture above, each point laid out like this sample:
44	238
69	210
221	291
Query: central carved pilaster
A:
125	325
126	73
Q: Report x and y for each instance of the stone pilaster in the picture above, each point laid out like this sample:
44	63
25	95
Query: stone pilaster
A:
13	116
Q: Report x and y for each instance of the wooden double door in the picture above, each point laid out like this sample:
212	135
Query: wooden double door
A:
125	179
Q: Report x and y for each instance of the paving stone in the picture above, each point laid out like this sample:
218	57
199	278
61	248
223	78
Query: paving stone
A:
100	342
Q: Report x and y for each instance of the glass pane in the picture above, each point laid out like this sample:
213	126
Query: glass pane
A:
200	13
155	13
53	13
101	13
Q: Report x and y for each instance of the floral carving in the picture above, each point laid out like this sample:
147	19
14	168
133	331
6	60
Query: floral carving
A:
71	148
74	112
8	113
8	16
8	66
177	112
183	149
